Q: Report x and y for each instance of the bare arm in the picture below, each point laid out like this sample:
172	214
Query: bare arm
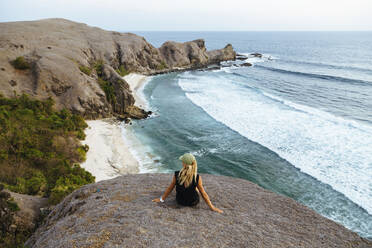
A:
206	197
167	191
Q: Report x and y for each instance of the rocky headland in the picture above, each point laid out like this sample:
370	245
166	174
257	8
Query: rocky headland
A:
81	67
119	213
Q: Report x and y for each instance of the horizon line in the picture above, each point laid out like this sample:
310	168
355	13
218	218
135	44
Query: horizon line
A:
246	31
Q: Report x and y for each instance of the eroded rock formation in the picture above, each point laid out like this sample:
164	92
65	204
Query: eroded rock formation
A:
69	60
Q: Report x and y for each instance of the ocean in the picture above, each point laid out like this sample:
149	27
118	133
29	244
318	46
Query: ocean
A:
298	122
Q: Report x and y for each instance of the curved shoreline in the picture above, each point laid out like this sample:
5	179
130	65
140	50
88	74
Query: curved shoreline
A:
137	83
109	154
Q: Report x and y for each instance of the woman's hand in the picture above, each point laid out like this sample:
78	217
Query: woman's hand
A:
168	191
217	210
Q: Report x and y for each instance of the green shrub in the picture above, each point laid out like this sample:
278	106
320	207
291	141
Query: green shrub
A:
20	63
3	155
86	148
98	66
80	135
85	70
122	71
19	186
109	90
38	145
33	154
57	194
162	66
36	184
65	185
106	86
82	153
12	205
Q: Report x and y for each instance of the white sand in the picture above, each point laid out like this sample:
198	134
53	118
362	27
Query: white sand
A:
136	83
109	155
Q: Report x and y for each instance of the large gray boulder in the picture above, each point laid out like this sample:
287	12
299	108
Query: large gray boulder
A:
119	213
61	55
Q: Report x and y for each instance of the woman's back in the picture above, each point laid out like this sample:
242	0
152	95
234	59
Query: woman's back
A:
187	196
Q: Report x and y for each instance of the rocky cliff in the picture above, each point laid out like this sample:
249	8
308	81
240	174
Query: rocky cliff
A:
19	216
119	213
81	66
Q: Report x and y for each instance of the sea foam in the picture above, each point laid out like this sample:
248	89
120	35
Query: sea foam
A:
332	149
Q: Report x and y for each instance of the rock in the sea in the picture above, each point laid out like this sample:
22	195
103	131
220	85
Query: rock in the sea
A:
241	56
259	55
79	65
246	64
136	112
187	54
119	213
216	56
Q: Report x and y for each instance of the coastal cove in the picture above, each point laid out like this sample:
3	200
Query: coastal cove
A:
54	74
281	141
109	154
186	120
220	151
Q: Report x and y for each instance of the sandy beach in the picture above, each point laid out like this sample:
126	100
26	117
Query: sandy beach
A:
109	155
136	83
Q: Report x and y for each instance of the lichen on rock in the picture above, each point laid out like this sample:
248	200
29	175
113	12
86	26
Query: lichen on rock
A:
119	213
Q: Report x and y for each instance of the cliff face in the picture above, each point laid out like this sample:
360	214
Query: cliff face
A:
119	213
67	60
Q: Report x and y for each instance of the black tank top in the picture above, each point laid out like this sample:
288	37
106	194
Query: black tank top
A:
187	196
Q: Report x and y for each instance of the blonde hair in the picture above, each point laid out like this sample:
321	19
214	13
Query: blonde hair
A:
187	173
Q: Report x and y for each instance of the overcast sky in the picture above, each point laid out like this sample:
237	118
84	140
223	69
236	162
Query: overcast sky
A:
198	15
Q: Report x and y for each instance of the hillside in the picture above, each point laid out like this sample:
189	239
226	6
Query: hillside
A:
81	67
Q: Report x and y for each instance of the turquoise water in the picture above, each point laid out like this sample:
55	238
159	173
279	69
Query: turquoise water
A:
299	122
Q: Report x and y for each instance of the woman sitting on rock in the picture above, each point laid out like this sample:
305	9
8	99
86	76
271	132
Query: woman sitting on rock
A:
188	183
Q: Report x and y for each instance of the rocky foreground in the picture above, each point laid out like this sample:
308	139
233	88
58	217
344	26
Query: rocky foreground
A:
119	213
81	67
